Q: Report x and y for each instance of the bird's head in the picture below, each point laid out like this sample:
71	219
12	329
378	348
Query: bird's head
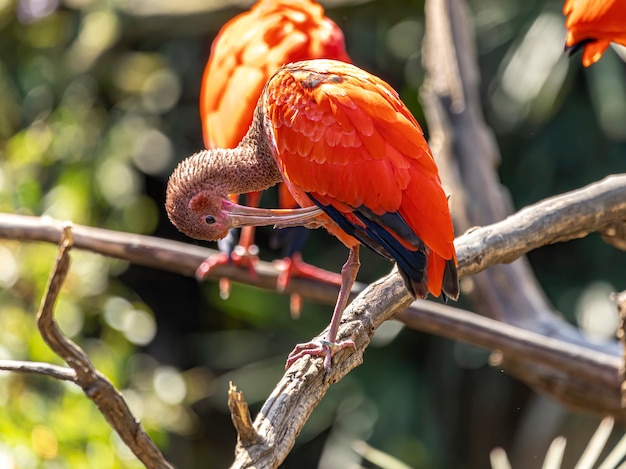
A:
197	203
193	206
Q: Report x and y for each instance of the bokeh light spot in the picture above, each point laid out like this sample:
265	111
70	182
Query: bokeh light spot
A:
138	326
118	182
153	152
404	38
161	91
9	273
44	442
596	312
169	385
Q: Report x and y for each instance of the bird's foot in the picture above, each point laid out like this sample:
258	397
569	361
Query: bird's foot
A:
241	256
294	266
322	348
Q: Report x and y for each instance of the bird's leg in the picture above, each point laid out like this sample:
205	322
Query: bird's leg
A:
329	346
292	265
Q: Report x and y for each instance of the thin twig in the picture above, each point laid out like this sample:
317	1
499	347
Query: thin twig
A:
39	368
95	385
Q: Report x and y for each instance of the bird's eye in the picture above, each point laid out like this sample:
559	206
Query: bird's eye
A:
209	219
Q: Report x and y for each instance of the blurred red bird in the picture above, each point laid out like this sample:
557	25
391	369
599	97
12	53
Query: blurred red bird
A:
343	142
245	54
592	25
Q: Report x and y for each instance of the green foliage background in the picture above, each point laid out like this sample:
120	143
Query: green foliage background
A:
98	102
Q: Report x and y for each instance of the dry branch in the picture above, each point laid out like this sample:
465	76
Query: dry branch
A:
240	413
302	388
568	216
562	218
95	385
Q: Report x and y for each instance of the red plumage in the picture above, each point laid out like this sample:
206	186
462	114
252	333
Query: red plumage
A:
344	136
593	25
246	53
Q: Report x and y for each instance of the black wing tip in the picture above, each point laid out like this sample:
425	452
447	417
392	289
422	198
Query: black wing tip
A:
571	50
417	289
450	286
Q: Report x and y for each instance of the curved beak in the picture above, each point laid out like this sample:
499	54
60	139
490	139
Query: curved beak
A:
240	215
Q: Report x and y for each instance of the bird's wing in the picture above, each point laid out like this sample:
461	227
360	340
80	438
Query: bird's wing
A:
345	138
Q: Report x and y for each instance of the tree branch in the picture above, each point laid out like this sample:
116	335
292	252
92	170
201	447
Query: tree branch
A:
568	216
288	408
575	214
95	385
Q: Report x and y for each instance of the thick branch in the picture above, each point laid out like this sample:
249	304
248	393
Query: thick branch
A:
574	374
564	217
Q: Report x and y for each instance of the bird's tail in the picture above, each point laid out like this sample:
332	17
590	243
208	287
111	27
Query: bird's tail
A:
450	285
440	278
422	270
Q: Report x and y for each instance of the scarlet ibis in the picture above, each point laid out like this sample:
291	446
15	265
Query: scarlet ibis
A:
353	157
245	54
592	25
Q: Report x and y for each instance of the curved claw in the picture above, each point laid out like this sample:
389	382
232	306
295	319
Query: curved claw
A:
323	348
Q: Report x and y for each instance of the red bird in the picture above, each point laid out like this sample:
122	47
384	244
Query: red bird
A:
245	54
353	156
592	25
